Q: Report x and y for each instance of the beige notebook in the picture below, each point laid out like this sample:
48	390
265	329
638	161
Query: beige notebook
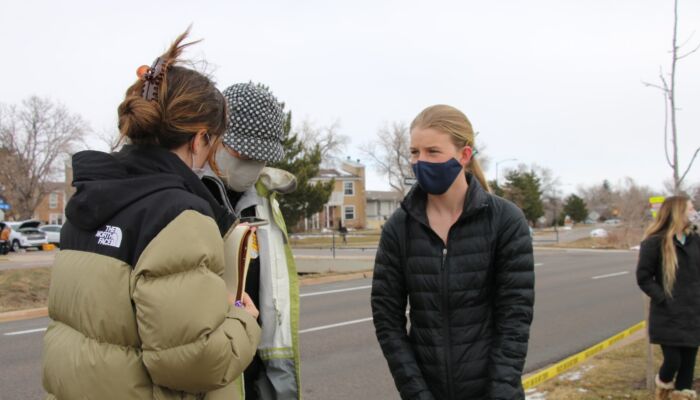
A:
238	251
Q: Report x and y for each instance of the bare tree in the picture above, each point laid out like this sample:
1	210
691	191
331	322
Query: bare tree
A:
550	186
110	139
632	204
329	139
390	154
696	197
599	198
668	89
33	139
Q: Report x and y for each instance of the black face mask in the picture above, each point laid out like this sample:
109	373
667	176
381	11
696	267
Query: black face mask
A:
436	178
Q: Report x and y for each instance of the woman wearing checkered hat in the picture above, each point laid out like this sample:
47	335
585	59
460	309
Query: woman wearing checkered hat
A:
253	138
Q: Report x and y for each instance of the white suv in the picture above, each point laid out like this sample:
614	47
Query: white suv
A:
26	234
53	233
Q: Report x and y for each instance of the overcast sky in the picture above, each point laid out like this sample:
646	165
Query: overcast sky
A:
557	83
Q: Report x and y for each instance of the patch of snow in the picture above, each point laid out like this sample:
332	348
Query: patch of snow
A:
533	394
575	375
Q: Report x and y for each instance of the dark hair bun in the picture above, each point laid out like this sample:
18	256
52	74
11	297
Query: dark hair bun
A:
139	119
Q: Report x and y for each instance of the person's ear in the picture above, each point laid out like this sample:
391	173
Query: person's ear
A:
466	155
200	141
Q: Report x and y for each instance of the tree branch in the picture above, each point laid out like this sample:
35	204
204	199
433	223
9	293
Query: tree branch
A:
692	160
688	53
668	158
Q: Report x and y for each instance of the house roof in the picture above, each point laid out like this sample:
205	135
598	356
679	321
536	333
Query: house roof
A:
383	195
327	174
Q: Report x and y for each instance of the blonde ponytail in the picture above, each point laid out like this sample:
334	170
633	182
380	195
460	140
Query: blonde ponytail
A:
475	168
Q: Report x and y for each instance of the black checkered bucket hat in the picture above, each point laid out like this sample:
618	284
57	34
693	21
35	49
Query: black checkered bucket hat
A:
256	120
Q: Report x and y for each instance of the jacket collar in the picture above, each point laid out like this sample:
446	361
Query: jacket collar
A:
416	200
155	159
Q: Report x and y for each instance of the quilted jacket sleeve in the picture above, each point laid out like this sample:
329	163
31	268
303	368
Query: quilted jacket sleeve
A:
513	303
649	261
192	340
389	299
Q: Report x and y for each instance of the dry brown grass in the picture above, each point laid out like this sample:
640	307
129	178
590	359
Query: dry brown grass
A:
622	237
366	240
618	374
24	288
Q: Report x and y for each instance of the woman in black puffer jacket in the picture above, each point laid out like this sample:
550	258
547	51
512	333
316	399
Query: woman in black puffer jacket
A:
462	258
669	273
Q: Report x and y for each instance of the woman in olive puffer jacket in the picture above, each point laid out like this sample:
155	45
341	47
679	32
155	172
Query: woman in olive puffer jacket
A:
137	299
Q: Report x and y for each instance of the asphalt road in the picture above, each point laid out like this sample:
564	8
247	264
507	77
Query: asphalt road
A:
583	297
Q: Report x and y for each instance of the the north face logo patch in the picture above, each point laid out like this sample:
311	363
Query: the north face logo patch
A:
111	236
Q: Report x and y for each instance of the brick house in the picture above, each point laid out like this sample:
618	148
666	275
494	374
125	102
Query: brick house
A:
51	209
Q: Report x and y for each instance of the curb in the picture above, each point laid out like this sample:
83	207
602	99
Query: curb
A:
352	258
340	277
566	364
24	314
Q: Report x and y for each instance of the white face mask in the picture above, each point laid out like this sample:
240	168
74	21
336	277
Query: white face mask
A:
239	174
197	171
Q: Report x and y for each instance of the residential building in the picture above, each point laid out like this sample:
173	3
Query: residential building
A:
51	209
347	203
380	206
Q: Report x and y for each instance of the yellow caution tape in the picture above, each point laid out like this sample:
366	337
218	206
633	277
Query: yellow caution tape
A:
576	359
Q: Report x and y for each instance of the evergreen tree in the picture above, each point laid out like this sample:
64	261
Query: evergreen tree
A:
495	188
523	189
575	208
304	162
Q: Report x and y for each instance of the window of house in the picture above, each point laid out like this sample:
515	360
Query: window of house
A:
349	212
56	219
53	200
349	188
373	208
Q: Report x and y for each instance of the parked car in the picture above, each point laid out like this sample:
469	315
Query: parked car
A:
53	233
612	221
599	233
26	234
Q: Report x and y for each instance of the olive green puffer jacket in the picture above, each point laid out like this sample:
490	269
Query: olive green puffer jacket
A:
135	316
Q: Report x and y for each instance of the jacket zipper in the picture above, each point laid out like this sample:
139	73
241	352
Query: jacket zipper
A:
224	196
446	294
446	320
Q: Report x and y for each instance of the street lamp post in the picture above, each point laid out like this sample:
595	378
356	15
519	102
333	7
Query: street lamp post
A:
500	162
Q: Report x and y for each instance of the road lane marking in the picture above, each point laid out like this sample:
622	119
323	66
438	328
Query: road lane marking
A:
611	275
324	327
318	328
25	332
538	265
335	291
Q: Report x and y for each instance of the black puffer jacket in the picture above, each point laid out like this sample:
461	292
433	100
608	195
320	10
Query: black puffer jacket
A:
672	321
470	301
